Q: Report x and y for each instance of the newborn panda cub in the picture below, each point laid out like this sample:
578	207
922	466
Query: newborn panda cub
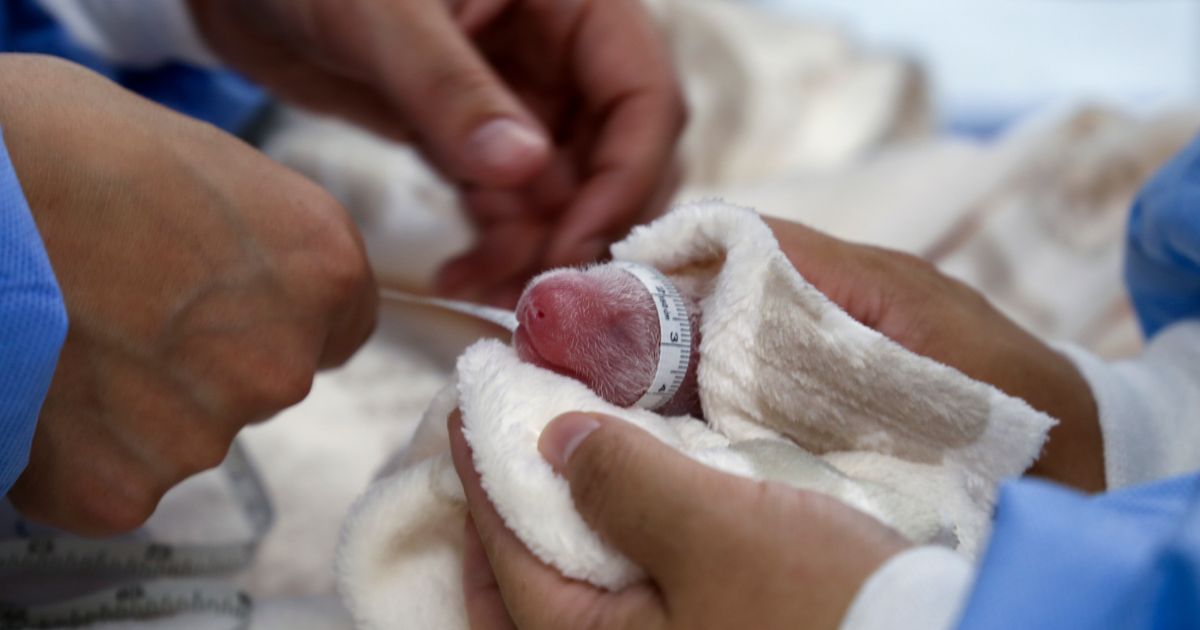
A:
599	326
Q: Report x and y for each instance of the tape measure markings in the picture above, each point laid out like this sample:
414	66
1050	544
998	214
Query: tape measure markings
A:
675	335
142	600
156	597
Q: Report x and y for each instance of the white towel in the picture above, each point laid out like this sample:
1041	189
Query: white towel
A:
793	390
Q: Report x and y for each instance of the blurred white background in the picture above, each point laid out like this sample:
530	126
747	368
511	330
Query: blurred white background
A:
991	61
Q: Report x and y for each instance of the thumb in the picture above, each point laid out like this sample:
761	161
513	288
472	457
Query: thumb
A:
468	120
649	501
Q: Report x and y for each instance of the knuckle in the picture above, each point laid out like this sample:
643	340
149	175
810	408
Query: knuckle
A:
282	386
346	275
205	450
267	380
595	467
120	508
459	84
342	272
893	259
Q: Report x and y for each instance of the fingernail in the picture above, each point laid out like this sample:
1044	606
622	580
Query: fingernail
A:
563	435
507	149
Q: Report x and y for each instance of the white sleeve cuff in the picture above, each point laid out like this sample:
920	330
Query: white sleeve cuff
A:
139	33
1149	406
923	588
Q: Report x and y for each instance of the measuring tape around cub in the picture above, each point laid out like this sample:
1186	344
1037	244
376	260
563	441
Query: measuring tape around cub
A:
675	335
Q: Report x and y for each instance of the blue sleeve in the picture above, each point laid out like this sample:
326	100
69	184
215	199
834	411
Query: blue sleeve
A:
33	324
1162	265
1129	559
217	96
1059	559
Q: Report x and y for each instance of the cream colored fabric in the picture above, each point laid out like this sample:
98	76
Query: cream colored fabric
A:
793	389
791	117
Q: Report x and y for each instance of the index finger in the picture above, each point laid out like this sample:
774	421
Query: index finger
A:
625	74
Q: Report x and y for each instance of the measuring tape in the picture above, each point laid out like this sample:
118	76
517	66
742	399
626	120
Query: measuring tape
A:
171	589
147	600
501	317
674	327
675	335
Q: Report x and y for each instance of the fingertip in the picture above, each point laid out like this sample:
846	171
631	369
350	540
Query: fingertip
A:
564	434
506	152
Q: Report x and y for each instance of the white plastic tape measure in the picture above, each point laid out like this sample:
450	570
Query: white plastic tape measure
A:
161	578
504	318
675	329
675	335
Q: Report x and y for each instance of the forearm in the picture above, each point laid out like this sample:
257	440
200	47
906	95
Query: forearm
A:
33	323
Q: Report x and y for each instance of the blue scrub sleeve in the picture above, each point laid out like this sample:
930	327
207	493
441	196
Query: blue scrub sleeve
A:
33	324
1162	265
1059	559
1129	559
220	97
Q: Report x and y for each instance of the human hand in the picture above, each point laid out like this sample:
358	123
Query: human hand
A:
910	301
204	284
719	551
557	120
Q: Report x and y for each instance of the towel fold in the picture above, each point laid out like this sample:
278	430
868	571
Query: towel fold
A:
793	389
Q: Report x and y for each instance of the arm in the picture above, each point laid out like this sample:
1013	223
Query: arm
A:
556	120
1045	537
33	323
205	285
1150	429
1058	559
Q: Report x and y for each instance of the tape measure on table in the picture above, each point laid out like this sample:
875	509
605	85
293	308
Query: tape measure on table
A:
675	335
163	577
138	601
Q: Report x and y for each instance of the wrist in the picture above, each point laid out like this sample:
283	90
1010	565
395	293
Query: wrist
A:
1074	451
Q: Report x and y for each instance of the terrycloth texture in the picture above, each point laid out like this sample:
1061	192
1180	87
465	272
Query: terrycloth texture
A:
794	390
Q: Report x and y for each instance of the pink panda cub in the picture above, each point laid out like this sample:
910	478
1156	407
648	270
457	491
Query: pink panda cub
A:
599	325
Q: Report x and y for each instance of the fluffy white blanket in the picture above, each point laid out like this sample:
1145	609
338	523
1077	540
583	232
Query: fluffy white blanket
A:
793	389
